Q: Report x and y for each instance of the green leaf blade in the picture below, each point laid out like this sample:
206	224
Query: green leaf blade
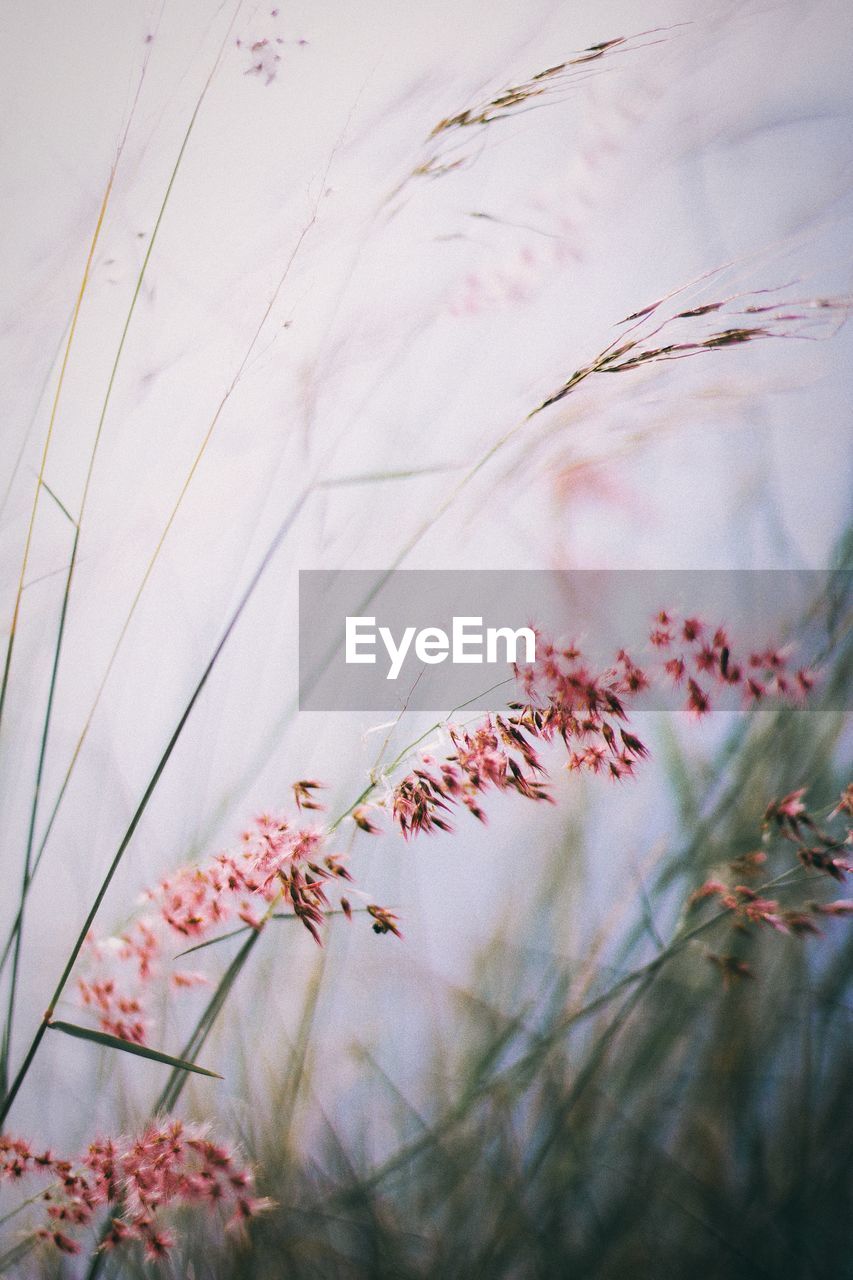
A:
127	1046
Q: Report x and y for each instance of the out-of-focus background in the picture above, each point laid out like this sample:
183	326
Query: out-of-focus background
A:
339	298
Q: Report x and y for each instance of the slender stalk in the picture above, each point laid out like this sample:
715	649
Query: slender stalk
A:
196	462
10	644
117	359
31	865
246	928
174	1086
15	936
34	418
18	928
25	1204
281	533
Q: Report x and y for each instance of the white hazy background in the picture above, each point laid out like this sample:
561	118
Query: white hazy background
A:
406	331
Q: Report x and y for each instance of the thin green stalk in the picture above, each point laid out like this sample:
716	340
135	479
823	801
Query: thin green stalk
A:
72	329
13	627
175	1084
25	1204
241	368
31	425
298	1058
245	928
31	865
119	352
143	803
18	927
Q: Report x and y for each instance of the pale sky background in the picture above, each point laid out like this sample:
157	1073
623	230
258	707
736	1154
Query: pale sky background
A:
414	321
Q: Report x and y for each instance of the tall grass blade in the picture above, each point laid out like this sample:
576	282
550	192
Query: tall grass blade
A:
127	1046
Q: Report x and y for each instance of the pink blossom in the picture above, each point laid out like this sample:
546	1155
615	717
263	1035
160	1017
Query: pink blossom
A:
169	1165
277	860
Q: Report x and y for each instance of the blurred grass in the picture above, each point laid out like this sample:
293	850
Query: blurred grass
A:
682	1129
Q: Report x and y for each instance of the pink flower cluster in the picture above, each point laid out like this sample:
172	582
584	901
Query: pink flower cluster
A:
277	862
495	755
753	909
565	699
170	1165
817	849
701	657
